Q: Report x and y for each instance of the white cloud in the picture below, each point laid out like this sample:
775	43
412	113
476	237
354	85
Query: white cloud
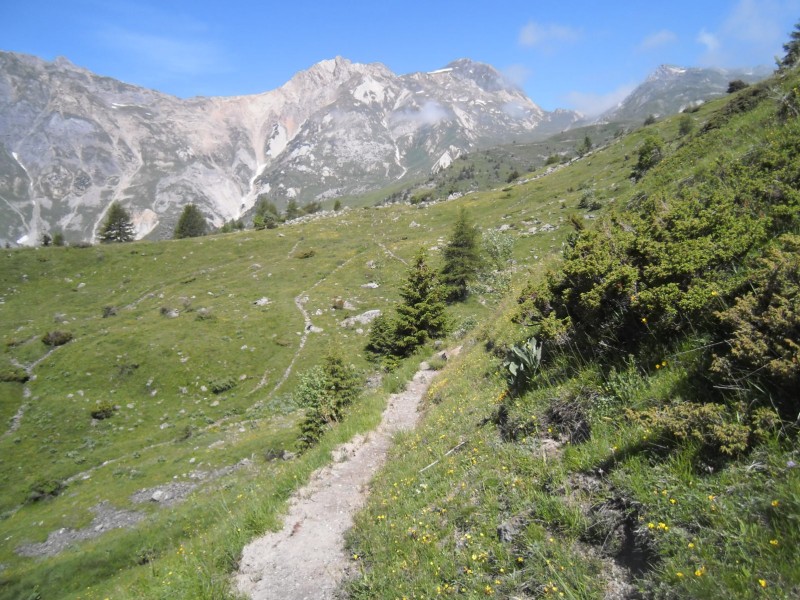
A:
517	74
752	33
429	113
591	104
515	110
757	22
709	40
167	54
545	35
657	39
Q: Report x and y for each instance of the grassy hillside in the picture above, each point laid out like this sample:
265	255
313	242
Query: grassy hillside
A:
169	339
619	464
652	451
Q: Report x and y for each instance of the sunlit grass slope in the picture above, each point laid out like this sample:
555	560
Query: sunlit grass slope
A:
654	452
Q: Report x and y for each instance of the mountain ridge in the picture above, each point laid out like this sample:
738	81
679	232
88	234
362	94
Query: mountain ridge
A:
73	141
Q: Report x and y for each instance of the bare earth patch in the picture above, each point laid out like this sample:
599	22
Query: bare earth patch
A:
106	518
307	559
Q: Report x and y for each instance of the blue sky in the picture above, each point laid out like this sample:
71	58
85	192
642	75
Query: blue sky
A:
581	54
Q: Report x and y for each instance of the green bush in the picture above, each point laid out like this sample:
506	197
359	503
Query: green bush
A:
311	387
57	338
649	155
718	428
12	374
325	392
103	410
44	489
223	384
764	326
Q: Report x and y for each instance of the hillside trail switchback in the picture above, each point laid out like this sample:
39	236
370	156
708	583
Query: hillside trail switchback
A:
306	560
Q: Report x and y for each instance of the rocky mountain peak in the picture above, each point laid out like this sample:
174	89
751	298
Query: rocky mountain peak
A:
664	72
485	76
72	142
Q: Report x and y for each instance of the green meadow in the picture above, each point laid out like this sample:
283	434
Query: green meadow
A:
627	459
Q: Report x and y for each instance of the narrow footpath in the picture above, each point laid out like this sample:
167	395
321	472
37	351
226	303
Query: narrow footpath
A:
306	560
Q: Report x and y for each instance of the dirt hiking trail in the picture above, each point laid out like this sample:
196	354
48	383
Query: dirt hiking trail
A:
306	560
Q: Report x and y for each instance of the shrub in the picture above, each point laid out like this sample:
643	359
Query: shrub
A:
589	201
57	338
306	254
685	125
764	325
311	387
43	489
223	384
13	374
109	311
650	154
103	410
717	427
736	85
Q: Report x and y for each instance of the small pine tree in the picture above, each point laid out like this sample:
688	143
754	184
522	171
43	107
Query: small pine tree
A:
792	49
343	382
585	147
421	315
685	125
380	342
326	392
118	226
337	206
191	223
266	214
462	258
650	154
292	210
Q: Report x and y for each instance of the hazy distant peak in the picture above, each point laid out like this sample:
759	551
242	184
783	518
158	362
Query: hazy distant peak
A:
485	76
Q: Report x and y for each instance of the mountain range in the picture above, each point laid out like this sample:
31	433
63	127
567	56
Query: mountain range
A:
72	142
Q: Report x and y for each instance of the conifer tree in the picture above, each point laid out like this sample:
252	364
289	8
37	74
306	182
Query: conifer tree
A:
118	226
267	215
462	258
381	343
792	49
191	223
343	382
292	210
421	315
